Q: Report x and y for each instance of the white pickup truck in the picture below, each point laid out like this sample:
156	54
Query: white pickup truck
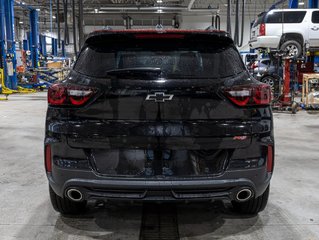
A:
286	29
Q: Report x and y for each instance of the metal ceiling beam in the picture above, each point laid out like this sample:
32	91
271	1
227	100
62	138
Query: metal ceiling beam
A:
176	8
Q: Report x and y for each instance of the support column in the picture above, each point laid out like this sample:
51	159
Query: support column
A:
293	3
43	45
56	43
25	45
2	35
63	49
34	18
11	61
53	46
81	24
313	4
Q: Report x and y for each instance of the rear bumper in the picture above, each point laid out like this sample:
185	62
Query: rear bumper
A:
245	142
265	42
224	187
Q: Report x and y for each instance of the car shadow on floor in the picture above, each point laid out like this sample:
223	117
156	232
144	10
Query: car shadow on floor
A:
195	221
109	222
124	221
213	221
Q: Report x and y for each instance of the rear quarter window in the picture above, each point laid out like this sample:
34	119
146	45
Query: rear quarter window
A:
315	17
285	17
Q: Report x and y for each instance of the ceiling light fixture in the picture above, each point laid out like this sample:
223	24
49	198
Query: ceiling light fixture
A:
301	3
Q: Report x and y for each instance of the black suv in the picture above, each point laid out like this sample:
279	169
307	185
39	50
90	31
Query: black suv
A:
159	115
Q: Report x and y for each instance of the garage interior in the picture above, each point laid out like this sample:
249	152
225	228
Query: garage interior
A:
39	42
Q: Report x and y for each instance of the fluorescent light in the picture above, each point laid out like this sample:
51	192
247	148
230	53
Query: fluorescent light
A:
159	1
54	17
301	3
38	9
20	22
96	10
159	10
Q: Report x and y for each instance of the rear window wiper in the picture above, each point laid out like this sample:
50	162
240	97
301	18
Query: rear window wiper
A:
137	70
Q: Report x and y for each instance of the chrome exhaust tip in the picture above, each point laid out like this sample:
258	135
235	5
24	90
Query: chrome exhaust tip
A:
244	195
74	195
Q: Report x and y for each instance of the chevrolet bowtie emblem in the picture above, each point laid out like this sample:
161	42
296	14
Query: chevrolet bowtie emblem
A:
159	97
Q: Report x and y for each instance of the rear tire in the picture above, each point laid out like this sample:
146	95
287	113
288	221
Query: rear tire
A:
252	206
293	47
66	206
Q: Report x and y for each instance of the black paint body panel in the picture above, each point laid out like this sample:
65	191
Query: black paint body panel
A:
197	146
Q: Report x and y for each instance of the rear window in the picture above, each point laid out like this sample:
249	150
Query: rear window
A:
260	19
215	57
285	17
251	58
315	17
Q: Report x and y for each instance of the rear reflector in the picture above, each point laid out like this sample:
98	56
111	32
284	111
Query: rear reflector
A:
262	29
48	162
159	35
270	158
68	95
249	95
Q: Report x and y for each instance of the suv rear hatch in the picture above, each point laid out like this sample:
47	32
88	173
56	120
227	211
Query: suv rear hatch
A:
159	108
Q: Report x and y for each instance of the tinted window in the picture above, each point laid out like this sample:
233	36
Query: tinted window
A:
285	17
259	20
250	58
266	62
176	58
315	17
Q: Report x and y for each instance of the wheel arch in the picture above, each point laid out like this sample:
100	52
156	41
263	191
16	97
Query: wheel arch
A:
291	36
273	75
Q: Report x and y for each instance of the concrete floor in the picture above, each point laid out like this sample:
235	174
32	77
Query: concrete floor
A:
26	213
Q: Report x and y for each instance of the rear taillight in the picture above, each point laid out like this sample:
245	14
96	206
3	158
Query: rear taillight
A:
249	95
47	158
253	66
69	95
270	158
262	29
